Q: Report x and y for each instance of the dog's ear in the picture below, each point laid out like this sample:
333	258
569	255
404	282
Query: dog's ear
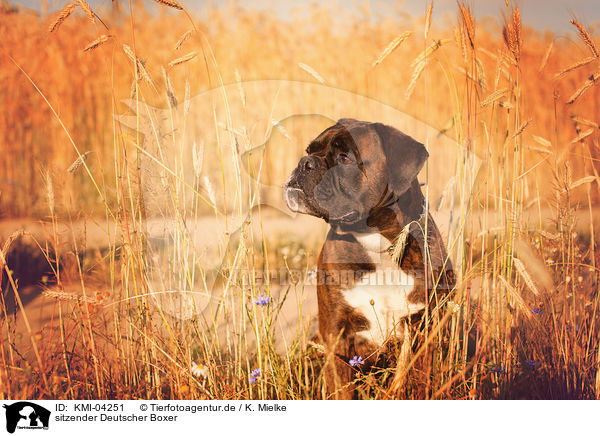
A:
404	157
347	122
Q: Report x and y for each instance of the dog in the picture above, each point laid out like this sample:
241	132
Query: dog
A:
361	178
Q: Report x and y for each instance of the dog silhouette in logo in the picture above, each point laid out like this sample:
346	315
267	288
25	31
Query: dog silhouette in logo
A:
32	414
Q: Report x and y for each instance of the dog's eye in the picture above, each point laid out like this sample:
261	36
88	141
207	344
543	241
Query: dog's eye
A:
344	159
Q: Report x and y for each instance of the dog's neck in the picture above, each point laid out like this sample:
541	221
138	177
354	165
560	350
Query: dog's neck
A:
389	217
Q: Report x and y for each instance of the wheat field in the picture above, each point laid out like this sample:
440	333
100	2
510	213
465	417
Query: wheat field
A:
146	251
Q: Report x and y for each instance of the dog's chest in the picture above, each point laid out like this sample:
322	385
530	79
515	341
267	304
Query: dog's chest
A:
382	296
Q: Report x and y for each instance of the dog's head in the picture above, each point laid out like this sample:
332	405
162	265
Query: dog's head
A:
350	170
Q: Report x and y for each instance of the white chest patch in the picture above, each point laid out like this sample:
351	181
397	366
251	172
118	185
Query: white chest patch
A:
382	296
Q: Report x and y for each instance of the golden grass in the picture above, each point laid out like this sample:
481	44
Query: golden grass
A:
185	58
170	3
523	319
102	39
87	9
62	16
585	36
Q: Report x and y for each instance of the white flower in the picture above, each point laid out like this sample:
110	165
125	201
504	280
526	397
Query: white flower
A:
199	371
453	306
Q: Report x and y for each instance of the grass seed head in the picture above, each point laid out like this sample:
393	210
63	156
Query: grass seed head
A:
87	9
170	3
62	16
97	42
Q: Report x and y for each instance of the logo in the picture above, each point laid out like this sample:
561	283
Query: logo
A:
26	415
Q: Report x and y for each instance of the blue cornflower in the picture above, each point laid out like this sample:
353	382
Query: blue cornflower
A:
356	360
531	363
254	375
537	311
263	300
498	369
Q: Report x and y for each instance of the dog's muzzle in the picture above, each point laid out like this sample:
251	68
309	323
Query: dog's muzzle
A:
292	194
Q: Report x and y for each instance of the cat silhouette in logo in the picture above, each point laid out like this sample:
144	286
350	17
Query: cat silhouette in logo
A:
33	415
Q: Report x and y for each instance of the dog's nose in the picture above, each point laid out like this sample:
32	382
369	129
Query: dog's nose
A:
308	163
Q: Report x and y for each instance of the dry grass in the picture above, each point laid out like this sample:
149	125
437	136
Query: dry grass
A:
62	16
523	320
97	42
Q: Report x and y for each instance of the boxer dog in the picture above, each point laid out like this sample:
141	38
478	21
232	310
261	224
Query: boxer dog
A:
361	178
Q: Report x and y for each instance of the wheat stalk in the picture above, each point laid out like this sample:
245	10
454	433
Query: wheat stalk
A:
182	59
574	66
494	96
542	141
413	80
78	162
422	57
394	43
588	84
546	56
400	245
585	122
540	149
170	3
419	64
468	24
87	9
459	35
525	275
197	158
139	64
183	39
62	16
67	296
512	292
517	30
4	250
129	52
579	182
319	348
133	90
212	196
428	19
187	99
311	71
511	32
480	73
585	36
548	235
170	91
97	42
521	128
582	136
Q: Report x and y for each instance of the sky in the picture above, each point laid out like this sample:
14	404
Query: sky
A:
540	14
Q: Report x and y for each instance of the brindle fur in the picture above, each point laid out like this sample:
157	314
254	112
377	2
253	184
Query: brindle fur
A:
385	202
